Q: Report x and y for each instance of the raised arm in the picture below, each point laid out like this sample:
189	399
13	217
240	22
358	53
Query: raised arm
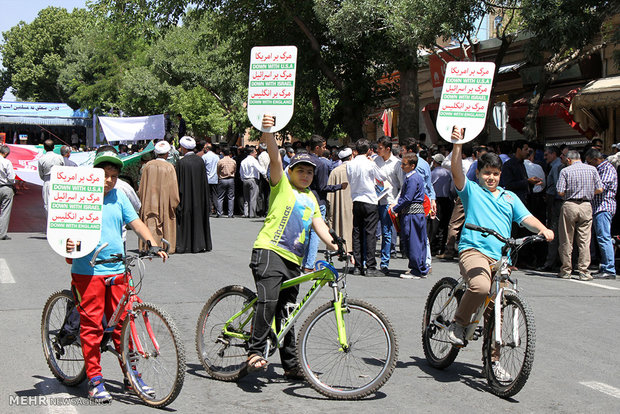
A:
275	162
457	163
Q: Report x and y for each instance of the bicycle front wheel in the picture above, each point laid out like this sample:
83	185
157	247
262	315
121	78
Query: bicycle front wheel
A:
224	356
507	366
360	369
62	350
438	311
152	355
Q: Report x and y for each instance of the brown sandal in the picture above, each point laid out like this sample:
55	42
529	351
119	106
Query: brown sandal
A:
256	362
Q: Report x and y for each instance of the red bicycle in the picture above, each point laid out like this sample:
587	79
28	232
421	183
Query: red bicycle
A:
151	351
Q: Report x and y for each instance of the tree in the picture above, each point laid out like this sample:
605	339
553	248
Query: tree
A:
326	69
96	64
563	33
34	54
197	55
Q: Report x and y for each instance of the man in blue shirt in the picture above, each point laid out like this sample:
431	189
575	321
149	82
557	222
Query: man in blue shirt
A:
490	206
320	188
425	172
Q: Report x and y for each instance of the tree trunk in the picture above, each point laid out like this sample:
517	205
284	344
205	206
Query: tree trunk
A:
230	137
409	101
352	118
533	105
316	114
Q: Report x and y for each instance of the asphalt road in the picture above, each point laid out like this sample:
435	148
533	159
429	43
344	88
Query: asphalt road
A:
576	367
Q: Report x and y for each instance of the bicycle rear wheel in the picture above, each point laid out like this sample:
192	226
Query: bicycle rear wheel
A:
516	353
437	347
161	364
63	352
223	356
357	371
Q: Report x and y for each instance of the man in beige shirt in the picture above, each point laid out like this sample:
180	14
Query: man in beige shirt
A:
226	168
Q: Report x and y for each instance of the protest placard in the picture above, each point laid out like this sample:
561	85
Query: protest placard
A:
465	98
74	209
271	89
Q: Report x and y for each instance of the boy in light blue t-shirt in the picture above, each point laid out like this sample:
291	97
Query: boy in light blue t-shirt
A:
490	206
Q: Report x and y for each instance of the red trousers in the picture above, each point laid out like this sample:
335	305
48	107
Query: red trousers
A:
95	301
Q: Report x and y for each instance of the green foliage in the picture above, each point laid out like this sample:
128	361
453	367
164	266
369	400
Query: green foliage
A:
560	27
96	63
202	112
34	54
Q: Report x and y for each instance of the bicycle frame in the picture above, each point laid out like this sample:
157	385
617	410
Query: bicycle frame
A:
326	275
125	307
501	274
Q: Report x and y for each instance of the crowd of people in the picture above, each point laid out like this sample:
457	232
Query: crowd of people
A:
359	189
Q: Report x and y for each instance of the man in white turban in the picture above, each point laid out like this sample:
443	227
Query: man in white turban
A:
159	194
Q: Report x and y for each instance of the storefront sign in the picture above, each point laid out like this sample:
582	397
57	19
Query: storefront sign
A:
74	209
271	88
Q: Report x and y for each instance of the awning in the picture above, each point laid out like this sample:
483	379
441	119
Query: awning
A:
599	93
589	107
42	113
556	102
44	120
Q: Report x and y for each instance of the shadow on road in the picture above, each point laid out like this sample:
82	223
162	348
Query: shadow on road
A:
468	374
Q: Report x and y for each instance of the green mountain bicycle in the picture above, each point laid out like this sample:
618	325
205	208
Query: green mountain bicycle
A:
346	348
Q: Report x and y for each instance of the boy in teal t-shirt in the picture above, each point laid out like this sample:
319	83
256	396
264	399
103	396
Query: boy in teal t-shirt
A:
490	206
279	249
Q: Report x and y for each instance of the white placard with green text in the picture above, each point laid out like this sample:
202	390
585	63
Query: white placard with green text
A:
74	209
271	87
465	98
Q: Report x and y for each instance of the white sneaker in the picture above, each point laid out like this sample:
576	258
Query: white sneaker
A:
456	334
500	373
407	275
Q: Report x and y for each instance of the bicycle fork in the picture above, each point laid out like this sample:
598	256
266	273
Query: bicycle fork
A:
342	333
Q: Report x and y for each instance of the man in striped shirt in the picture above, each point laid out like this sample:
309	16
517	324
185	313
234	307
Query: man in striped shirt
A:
577	185
603	209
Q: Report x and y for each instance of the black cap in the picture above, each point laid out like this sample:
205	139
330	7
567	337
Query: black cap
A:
304	158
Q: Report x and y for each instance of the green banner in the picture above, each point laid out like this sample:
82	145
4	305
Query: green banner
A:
273	66
465	97
76	206
272	83
461	114
78	226
475	81
79	188
271	101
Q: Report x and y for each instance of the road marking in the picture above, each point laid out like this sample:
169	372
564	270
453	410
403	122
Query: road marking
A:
595	284
604	388
5	272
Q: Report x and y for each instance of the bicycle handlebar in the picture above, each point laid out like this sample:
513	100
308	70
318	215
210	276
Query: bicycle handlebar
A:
508	241
339	241
118	257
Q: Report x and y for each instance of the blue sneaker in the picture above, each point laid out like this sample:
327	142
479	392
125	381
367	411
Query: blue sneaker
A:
143	386
97	391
